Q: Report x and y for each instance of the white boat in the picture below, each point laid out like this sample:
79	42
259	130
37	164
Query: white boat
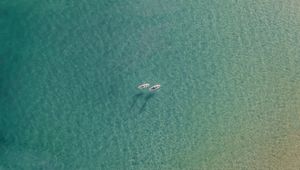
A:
154	88
143	86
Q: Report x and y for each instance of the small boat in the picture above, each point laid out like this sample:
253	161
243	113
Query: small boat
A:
143	86
154	88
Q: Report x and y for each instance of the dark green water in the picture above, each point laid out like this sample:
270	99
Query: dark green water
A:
229	75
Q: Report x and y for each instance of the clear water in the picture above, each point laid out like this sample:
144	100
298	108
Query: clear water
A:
228	69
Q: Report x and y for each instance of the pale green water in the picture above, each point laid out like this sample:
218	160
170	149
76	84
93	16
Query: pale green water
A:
69	70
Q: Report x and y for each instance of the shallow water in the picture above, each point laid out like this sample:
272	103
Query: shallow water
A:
229	97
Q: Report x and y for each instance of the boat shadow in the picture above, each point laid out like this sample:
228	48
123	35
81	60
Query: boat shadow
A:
135	99
147	98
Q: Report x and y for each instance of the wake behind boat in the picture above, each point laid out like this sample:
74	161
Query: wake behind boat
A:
154	88
143	86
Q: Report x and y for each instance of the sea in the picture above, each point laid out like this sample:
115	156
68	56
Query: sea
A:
229	75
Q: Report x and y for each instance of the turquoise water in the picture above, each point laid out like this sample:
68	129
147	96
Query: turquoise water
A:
229	75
